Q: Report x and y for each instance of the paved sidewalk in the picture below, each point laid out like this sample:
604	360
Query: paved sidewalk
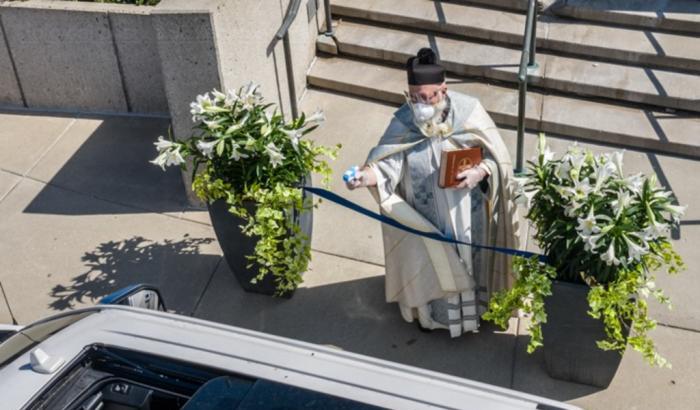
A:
82	213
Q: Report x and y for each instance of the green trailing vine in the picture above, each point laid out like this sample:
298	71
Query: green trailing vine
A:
533	284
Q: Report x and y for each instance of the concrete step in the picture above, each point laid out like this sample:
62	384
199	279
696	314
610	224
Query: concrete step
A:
672	15
565	74
635	128
629	46
517	5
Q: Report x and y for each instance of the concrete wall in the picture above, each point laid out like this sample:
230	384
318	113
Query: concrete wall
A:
10	93
123	58
81	56
245	31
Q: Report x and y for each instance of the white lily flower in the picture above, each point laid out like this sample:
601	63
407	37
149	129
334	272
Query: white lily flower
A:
591	243
162	144
624	199
662	194
294	137
444	129
616	158
676	211
214	125
236	154
203	105
218	95
577	160
275	155
563	169
635	251
635	183
543	150
654	231
207	148
198	107
603	173
168	158
580	190
250	96
588	225
231	98
609	256
316	118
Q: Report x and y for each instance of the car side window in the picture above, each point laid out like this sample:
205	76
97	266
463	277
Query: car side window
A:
34	334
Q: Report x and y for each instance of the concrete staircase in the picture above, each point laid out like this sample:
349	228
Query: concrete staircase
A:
608	78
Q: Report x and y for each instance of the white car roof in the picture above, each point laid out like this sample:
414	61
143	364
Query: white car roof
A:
328	370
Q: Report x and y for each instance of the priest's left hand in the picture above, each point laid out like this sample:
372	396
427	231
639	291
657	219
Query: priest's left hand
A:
471	177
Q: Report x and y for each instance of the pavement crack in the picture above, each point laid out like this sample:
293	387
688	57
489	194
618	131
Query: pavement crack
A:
7	303
670	326
206	287
348	258
50	147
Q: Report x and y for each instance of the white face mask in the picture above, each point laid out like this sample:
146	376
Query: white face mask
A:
423	112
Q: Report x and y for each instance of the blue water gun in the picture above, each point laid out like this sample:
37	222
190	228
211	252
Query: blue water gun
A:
351	174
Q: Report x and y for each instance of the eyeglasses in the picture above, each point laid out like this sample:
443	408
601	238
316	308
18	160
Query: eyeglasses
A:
424	98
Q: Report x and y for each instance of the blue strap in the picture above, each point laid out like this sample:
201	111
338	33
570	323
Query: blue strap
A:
325	194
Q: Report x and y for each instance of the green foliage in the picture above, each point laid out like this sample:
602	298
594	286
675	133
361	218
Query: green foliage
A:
533	283
600	228
244	151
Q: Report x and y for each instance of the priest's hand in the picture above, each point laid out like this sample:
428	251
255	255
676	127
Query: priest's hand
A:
471	177
363	178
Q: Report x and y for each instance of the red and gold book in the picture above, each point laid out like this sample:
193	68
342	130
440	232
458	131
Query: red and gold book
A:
454	161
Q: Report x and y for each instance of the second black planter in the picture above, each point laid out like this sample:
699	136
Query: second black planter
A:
570	335
236	245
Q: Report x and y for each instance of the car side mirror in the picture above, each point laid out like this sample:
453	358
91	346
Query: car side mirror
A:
140	296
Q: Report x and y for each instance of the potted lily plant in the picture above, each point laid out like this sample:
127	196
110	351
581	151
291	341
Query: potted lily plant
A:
604	236
249	165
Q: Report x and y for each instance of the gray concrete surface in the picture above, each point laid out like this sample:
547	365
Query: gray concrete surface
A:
677	15
64	58
583	39
598	121
84	56
10	94
566	74
137	50
77	226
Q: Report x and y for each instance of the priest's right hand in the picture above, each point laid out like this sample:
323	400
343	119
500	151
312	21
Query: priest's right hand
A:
363	178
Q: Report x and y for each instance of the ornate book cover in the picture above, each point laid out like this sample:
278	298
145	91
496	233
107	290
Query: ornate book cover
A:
454	161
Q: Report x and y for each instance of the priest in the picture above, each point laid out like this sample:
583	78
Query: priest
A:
438	284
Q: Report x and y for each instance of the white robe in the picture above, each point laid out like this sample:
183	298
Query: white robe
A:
440	284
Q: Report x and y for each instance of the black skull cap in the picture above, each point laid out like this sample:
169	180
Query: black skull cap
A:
425	68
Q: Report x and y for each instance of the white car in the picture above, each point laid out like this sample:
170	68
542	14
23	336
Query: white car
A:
116	356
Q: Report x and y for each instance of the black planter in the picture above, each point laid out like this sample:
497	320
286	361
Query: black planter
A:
237	245
570	335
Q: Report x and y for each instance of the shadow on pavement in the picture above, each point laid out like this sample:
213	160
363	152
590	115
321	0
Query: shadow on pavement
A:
176	267
659	7
112	163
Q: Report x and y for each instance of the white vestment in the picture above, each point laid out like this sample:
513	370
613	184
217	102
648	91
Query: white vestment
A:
444	285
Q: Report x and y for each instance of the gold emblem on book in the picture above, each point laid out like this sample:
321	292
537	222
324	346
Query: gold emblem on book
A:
465	163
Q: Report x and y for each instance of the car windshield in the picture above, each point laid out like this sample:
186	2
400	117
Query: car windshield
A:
36	333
